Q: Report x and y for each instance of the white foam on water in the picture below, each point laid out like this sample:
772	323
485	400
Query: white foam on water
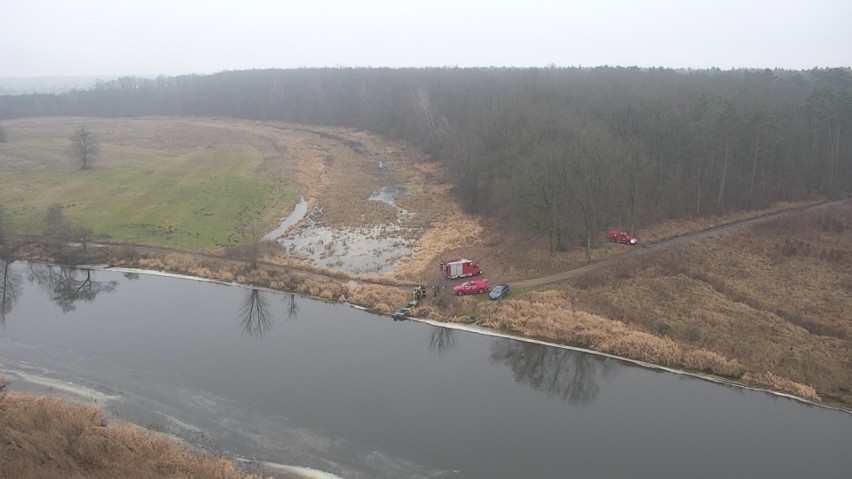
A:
304	472
78	390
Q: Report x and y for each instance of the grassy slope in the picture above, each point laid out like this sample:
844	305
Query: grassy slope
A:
774	298
183	196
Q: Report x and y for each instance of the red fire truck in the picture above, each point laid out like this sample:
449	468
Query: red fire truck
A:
459	268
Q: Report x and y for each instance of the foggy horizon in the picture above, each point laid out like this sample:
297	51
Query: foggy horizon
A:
41	38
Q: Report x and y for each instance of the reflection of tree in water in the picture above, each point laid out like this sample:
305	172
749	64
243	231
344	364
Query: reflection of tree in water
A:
566	374
10	288
292	308
66	285
442	339
256	318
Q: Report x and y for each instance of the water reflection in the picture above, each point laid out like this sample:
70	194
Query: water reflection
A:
292	308
569	375
10	288
256	319
442	339
66	285
256	316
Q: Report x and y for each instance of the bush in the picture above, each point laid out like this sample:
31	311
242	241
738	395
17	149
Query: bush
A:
693	333
661	328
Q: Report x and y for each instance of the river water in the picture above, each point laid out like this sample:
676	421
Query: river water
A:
289	380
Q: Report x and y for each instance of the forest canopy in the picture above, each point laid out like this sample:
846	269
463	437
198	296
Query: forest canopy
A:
561	152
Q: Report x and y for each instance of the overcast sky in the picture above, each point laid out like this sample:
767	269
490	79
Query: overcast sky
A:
172	37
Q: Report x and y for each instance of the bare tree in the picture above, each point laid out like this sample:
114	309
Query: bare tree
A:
593	157
81	234
56	226
251	242
84	147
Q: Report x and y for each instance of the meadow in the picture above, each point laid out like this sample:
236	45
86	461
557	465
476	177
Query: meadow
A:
162	182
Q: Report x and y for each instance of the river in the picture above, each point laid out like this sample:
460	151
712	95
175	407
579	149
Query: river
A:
289	380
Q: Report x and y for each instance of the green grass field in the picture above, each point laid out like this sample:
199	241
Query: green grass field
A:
191	197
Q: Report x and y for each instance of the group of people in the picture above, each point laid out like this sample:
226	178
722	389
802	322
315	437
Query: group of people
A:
419	292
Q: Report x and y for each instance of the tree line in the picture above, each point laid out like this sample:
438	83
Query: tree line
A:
560	152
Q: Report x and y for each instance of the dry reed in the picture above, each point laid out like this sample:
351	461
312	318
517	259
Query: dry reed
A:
772	381
47	438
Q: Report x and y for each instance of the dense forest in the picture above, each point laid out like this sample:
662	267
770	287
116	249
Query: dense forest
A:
560	152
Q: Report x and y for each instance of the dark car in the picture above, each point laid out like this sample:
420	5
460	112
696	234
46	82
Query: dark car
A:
499	292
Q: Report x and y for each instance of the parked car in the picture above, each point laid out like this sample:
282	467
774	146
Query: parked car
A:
622	237
474	286
499	292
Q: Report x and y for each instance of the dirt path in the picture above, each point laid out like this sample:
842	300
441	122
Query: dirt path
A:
669	243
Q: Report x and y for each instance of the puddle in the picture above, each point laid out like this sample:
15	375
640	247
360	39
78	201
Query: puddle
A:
360	250
297	215
388	194
355	250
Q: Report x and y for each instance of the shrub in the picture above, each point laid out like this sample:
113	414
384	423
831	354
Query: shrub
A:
661	328
693	333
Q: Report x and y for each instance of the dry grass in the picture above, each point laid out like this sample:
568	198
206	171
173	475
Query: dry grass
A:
777	383
547	315
378	298
774	299
680	227
46	438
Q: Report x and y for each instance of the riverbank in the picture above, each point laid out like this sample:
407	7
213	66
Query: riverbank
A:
45	437
576	313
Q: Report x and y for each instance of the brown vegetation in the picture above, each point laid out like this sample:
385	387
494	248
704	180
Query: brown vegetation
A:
45	438
766	300
774	299
769	299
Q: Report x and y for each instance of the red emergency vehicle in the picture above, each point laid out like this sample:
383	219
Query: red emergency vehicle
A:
459	268
622	237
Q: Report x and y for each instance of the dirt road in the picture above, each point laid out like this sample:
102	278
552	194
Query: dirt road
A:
669	243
